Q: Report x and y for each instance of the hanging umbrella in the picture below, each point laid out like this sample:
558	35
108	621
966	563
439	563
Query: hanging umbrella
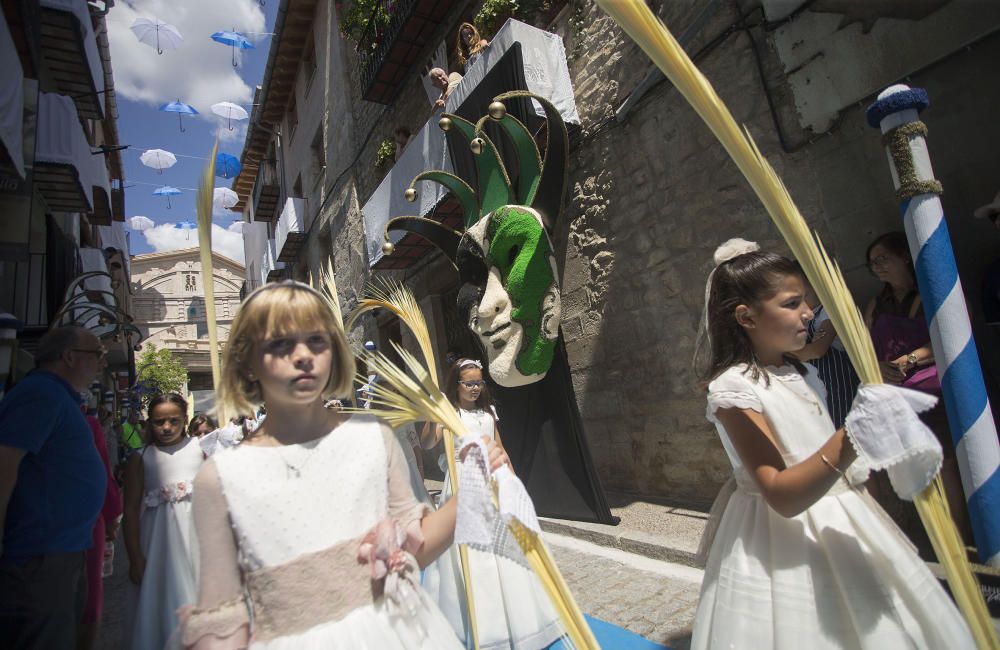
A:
180	108
140	223
237	226
157	33
225	198
230	111
235	40
158	159
227	166
186	225
167	191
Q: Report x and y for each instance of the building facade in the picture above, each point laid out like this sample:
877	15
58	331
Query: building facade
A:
63	247
652	193
169	300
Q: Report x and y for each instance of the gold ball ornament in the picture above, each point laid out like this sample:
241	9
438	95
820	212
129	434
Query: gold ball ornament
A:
477	145
410	194
444	123
388	248
497	110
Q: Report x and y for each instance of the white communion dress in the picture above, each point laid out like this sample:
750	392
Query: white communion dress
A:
512	609
168	543
280	528
839	575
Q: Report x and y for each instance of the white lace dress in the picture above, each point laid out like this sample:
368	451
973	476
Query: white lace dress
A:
839	575
512	610
280	528
167	539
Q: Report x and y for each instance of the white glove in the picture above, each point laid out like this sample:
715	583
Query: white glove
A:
887	434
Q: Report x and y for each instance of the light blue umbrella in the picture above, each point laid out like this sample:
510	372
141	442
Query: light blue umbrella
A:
186	225
235	40
227	166
180	108
167	191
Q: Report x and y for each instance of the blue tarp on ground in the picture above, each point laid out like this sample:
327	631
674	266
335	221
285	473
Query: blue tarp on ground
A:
612	637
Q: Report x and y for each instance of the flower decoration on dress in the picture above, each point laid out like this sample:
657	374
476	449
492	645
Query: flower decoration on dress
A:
170	493
383	548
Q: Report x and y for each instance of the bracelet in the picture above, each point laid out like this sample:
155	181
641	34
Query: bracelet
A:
827	462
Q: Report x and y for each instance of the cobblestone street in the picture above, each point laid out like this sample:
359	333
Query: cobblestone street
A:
649	597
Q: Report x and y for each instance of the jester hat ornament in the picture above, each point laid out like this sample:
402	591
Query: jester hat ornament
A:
510	283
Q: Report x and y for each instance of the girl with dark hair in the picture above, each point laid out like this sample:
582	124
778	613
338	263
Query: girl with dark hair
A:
158	525
801	554
512	611
201	425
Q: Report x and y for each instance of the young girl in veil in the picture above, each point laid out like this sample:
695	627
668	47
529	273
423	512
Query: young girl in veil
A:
310	534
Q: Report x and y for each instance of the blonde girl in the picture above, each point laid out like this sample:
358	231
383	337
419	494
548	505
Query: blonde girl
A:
158	524
310	523
468	45
803	557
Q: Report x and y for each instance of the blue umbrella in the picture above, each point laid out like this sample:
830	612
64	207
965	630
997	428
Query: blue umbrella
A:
235	40
180	108
227	166
167	191
186	225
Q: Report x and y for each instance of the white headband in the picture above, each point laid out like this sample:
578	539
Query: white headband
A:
726	251
470	362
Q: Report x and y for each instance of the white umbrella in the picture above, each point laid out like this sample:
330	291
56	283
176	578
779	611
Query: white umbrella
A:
236	226
157	33
158	159
140	223
225	198
230	111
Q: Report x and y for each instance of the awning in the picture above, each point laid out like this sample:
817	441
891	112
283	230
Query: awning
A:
70	50
542	70
290	232
66	171
11	100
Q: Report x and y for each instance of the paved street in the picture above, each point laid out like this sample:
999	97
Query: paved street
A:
649	597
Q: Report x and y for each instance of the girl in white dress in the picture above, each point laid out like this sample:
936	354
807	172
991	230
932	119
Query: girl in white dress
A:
158	525
512	610
309	531
803	557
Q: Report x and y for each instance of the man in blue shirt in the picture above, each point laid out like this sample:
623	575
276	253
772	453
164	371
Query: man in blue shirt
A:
52	484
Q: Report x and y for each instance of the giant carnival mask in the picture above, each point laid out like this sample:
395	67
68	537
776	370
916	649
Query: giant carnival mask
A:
510	290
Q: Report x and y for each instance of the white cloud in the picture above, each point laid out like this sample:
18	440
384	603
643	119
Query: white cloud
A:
199	72
140	222
166	237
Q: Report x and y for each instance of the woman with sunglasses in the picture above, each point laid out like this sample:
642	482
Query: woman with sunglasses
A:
902	340
512	611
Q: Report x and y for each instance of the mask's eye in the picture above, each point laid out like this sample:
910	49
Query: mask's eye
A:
512	254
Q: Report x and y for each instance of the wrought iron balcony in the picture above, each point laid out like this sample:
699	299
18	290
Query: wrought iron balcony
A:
266	190
387	52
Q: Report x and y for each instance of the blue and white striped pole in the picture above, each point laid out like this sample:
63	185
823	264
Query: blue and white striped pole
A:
969	414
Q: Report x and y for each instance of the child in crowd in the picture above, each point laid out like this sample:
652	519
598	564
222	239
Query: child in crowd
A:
158	525
833	365
512	610
803	557
309	531
201	425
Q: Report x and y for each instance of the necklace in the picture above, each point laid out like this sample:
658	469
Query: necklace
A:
294	470
809	399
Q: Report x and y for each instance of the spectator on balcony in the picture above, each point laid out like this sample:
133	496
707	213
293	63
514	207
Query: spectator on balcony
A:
469	45
444	82
52	489
402	136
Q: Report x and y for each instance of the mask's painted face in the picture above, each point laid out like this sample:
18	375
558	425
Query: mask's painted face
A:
510	293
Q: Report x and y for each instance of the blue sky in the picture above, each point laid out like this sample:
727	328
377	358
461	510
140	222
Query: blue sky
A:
199	73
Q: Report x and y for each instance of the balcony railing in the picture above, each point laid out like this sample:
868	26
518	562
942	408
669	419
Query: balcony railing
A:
387	52
290	233
266	190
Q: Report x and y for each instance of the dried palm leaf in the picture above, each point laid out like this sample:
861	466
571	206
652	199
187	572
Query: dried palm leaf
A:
206	189
635	18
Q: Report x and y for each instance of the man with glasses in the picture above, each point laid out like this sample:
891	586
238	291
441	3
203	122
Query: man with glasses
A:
52	485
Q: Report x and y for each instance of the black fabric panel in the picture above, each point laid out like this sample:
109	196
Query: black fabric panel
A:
542	430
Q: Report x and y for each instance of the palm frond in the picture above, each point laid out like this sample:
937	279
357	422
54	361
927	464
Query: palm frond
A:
635	18
206	188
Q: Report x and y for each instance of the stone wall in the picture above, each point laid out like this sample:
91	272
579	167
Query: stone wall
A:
650	198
